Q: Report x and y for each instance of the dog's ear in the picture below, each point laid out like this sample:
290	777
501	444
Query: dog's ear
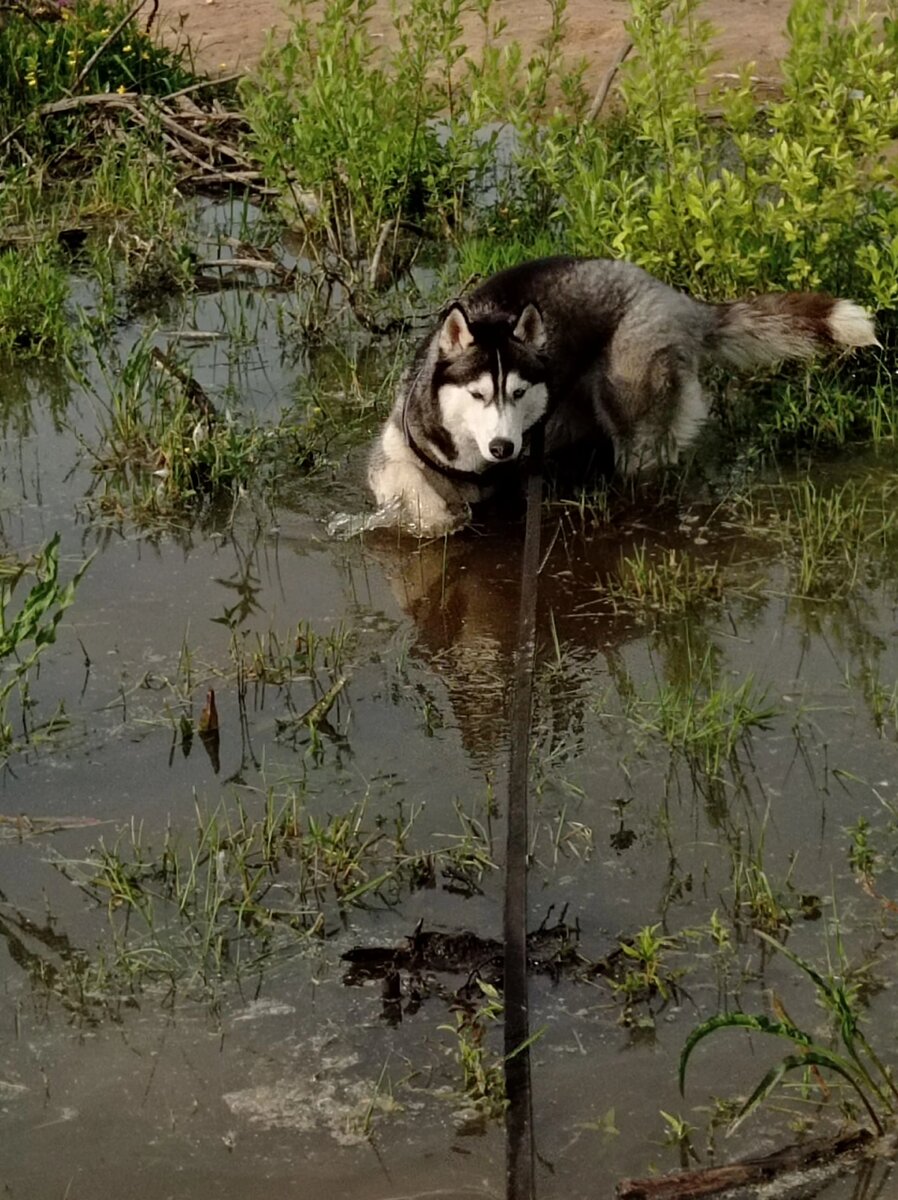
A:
456	335
530	328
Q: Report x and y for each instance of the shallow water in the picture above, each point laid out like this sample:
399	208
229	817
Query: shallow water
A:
282	1080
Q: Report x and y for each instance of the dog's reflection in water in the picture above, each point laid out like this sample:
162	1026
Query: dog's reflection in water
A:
463	594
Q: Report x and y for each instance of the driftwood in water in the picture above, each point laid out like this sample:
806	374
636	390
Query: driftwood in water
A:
748	1172
551	950
410	972
194	391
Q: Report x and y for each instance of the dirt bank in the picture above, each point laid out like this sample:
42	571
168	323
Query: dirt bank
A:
230	34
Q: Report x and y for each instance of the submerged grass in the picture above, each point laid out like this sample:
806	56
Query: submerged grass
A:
666	583
701	714
193	915
831	533
164	448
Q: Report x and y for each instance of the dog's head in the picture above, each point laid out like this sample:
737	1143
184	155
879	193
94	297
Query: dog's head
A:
490	384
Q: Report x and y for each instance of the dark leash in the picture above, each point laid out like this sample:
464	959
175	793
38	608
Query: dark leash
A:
519	1113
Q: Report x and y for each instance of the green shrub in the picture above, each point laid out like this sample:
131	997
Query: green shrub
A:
722	196
357	137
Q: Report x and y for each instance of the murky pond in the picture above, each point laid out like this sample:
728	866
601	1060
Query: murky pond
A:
715	752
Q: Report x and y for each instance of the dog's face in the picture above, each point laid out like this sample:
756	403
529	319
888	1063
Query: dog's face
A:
490	385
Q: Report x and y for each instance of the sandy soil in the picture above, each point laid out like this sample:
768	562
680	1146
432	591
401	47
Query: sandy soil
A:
230	34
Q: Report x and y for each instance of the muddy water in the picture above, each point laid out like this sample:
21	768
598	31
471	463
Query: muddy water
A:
281	1080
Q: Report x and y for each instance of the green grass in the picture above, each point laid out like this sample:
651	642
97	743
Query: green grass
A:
34	301
830	532
702	714
663	583
198	913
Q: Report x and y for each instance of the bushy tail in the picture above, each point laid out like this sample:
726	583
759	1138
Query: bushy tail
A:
768	329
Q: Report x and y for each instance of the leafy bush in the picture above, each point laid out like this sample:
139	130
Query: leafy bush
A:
703	186
357	137
723	196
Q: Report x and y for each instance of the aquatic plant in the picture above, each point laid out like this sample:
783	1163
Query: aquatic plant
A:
162	444
858	1064
663	584
703	715
644	972
195	912
482	1069
29	627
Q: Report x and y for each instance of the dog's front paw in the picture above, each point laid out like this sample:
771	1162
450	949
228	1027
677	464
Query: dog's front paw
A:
401	488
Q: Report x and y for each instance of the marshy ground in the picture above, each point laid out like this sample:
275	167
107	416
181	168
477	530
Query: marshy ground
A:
251	810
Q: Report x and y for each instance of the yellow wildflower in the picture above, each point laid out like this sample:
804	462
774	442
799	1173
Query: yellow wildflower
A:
127	49
121	89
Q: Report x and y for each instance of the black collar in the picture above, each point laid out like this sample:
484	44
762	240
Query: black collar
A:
484	477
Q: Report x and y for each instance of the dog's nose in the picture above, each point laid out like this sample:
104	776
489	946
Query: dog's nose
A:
501	448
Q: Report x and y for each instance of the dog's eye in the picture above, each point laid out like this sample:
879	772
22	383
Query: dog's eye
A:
518	393
477	394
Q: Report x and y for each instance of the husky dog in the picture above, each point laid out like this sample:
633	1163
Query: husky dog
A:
596	348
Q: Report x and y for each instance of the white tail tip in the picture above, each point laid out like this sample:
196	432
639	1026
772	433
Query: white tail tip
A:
851	325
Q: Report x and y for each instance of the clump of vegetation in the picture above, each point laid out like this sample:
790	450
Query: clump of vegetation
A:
857	1063
34	293
667	584
792	195
27	629
163	446
701	714
191	914
829	532
644	974
53	53
482	1068
363	140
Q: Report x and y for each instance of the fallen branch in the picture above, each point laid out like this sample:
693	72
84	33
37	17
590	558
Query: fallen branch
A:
205	83
208	158
709	1181
282	273
194	392
605	83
